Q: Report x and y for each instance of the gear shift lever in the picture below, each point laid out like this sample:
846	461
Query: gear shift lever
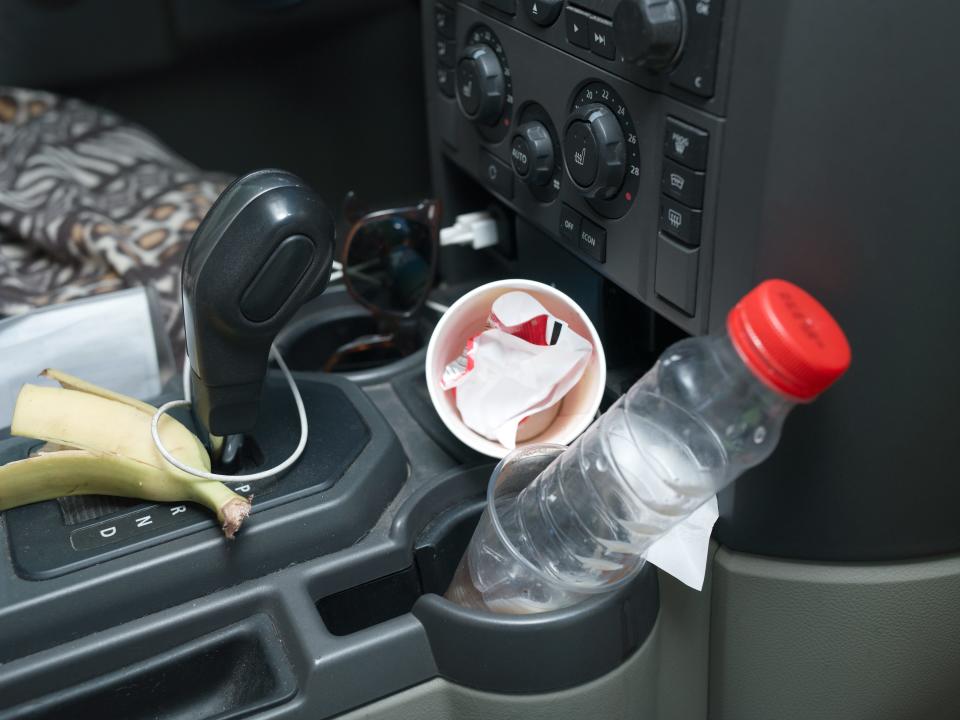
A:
264	248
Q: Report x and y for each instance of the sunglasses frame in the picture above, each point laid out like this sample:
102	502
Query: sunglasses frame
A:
427	213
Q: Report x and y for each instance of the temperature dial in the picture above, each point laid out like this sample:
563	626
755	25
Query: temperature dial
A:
480	84
484	87
594	150
601	150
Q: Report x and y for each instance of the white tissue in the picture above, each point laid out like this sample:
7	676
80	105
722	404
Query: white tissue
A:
682	552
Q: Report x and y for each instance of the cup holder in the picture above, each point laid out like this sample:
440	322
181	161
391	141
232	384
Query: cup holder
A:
483	650
436	553
309	342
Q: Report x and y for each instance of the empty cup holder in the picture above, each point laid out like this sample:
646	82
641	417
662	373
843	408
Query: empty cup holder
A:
309	341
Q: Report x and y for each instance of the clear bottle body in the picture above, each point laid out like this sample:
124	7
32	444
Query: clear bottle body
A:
691	425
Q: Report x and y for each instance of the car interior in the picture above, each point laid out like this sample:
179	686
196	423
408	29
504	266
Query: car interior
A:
303	219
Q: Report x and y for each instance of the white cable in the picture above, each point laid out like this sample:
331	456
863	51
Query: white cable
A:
301	411
478	229
438	307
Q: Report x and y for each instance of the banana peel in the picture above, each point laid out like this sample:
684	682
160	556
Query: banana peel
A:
99	442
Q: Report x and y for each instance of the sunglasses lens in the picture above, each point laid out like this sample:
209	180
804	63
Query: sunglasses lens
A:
388	263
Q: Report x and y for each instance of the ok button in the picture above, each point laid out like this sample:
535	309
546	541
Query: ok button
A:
580	151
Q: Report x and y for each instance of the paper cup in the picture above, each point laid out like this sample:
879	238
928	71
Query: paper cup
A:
561	423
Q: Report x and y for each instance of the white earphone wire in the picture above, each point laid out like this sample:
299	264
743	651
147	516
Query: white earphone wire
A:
263	474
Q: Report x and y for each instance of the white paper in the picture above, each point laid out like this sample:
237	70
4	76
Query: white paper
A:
525	363
682	552
107	340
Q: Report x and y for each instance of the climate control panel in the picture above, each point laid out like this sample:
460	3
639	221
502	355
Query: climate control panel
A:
600	150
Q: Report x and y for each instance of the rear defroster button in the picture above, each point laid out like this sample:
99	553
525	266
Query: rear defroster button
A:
679	221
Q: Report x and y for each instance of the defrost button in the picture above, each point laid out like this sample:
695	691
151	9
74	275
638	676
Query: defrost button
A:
682	183
679	221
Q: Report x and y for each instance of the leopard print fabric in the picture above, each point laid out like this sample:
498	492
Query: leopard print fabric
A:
90	203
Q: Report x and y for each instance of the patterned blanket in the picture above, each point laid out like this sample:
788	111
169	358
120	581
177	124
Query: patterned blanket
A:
90	203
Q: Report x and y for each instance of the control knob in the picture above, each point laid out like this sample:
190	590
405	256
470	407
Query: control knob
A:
649	32
594	151
531	151
481	84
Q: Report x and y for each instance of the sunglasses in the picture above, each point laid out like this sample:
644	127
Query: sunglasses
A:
389	262
390	257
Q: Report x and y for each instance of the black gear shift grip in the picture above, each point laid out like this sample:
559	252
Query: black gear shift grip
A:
264	248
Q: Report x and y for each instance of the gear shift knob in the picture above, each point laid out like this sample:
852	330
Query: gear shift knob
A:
263	249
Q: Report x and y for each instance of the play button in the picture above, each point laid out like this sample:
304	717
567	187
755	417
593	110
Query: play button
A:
577	23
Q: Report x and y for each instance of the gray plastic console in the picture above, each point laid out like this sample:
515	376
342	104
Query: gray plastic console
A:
349	482
358	624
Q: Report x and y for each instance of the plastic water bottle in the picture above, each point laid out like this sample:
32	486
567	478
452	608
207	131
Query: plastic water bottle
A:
710	408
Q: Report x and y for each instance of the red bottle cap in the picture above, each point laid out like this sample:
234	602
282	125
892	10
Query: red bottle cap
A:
788	339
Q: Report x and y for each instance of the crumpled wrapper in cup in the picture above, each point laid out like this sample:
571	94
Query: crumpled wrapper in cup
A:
521	365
